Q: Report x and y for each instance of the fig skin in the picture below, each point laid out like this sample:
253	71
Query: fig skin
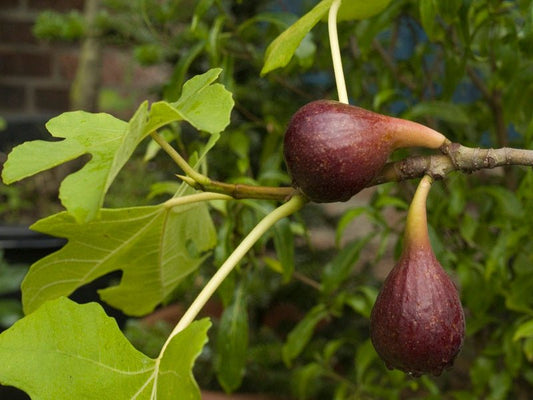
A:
333	150
417	324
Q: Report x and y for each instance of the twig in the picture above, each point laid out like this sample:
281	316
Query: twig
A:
242	191
455	158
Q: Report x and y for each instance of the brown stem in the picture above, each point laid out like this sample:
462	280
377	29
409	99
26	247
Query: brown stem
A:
455	158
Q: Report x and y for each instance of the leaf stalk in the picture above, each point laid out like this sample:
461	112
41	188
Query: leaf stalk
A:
335	51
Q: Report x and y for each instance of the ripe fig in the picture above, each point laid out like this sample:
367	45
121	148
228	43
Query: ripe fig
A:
334	150
417	323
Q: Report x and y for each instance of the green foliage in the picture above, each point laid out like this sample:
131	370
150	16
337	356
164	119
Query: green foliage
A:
156	247
111	142
281	50
232	343
63	349
462	67
52	25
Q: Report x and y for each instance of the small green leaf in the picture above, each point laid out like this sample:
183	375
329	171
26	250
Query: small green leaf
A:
525	330
284	245
364	356
232	343
360	9
362	300
428	13
151	245
301	334
306	380
347	218
447	112
69	351
338	270
508	202
280	51
205	105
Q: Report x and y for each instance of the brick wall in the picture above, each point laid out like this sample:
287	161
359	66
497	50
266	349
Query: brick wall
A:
35	77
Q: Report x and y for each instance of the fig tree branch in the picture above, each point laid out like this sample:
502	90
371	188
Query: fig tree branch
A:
455	157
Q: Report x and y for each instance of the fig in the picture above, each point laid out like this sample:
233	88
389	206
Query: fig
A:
333	150
417	323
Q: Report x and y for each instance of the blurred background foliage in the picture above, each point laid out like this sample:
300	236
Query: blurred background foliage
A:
464	67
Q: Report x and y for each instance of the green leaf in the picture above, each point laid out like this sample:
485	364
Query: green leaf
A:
154	246
280	51
338	270
284	245
232	343
205	105
111	142
346	219
364	357
69	351
306	380
428	13
508	202
447	112
301	334
175	378
525	330
362	300
100	135
360	9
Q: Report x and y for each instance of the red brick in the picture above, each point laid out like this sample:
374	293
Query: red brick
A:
58	5
52	99
25	64
12	97
67	64
16	31
9	4
115	67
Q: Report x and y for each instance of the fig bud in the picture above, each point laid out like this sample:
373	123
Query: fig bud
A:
417	324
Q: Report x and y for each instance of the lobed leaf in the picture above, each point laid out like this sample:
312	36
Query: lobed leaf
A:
69	351
152	246
100	135
111	142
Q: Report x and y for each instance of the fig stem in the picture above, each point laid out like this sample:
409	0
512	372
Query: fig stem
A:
285	210
179	160
416	231
243	191
335	51
195	198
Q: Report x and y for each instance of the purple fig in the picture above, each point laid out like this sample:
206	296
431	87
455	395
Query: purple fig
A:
334	150
417	324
